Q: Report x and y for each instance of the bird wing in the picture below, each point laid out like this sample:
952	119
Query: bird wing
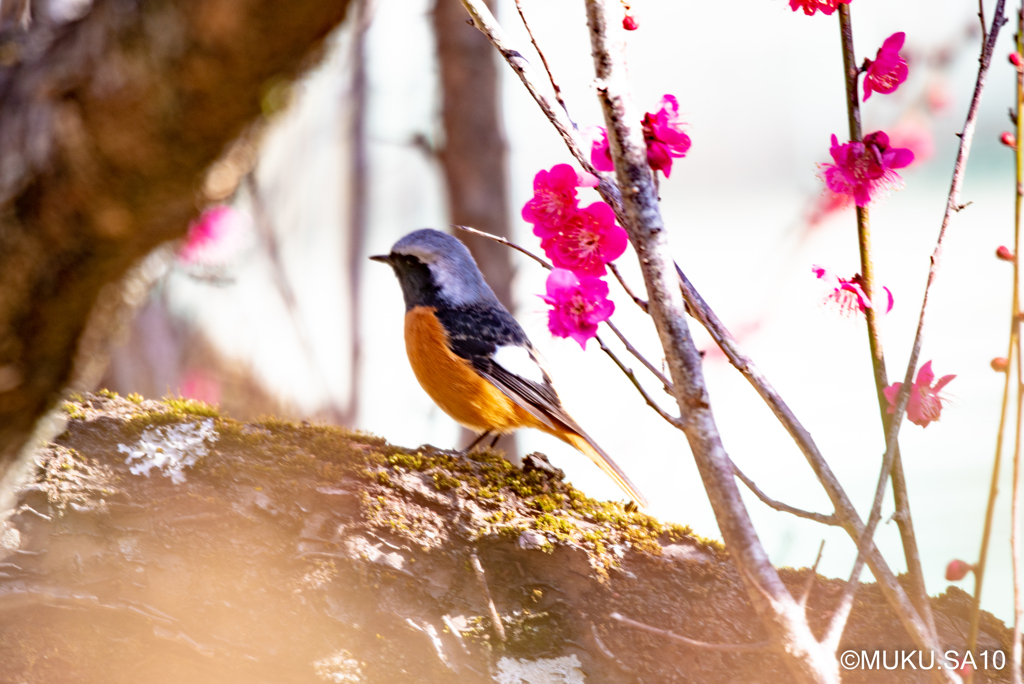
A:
498	349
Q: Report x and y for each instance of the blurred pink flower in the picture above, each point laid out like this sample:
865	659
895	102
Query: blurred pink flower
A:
586	241
663	133
957	570
914	134
198	384
811	6
847	294
888	70
578	305
1009	139
1003	253
939	96
827	204
554	195
925	403
629	22
862	169
214	236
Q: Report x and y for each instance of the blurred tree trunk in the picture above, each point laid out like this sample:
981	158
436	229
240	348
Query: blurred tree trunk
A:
106	126
474	154
359	200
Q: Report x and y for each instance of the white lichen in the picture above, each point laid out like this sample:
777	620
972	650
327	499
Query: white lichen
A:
170	449
340	668
543	671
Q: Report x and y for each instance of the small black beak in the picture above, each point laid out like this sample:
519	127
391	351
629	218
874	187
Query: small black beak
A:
383	258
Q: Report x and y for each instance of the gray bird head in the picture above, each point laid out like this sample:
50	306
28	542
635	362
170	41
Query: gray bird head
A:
432	265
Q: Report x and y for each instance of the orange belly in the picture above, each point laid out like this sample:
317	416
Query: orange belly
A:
452	383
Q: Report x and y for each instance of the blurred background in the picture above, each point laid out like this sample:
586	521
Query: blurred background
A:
271	306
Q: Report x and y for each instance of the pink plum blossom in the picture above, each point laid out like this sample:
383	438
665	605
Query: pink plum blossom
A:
862	169
888	70
585	242
663	133
214	236
554	195
847	294
925	404
600	152
578	304
811	6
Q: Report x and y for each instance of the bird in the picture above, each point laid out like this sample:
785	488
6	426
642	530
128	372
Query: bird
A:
470	354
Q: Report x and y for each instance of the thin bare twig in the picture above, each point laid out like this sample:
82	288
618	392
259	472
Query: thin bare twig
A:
904	520
665	382
781	507
806	594
543	59
495	618
507	243
642	303
693	643
1015	499
628	372
981	18
903	396
846	512
629	347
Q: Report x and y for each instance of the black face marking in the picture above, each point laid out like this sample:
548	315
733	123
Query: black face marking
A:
418	286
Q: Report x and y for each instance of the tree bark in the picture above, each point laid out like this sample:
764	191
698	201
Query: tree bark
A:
106	126
296	553
474	154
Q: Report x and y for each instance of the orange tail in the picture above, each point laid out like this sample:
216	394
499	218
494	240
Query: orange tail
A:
586	445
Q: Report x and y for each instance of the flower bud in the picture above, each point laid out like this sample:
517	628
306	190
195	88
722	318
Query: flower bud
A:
1008	139
1003	252
999	364
1016	60
630	23
957	570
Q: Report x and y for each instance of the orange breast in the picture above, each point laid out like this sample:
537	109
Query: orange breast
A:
452	383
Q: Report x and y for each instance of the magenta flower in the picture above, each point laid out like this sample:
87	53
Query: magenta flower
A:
811	6
587	240
578	305
889	70
847	295
925	403
214	236
663	133
862	169
957	570
600	152
554	195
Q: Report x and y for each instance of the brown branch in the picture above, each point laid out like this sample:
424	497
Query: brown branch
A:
806	594
901	497
693	643
628	372
781	507
642	303
95	177
543	59
845	510
482	580
507	243
629	347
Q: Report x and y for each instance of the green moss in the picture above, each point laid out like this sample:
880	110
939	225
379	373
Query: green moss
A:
74	411
190	407
135	398
107	394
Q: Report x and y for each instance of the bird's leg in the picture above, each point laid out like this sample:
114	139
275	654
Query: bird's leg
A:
483	435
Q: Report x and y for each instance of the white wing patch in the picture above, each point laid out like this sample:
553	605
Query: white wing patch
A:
517	360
